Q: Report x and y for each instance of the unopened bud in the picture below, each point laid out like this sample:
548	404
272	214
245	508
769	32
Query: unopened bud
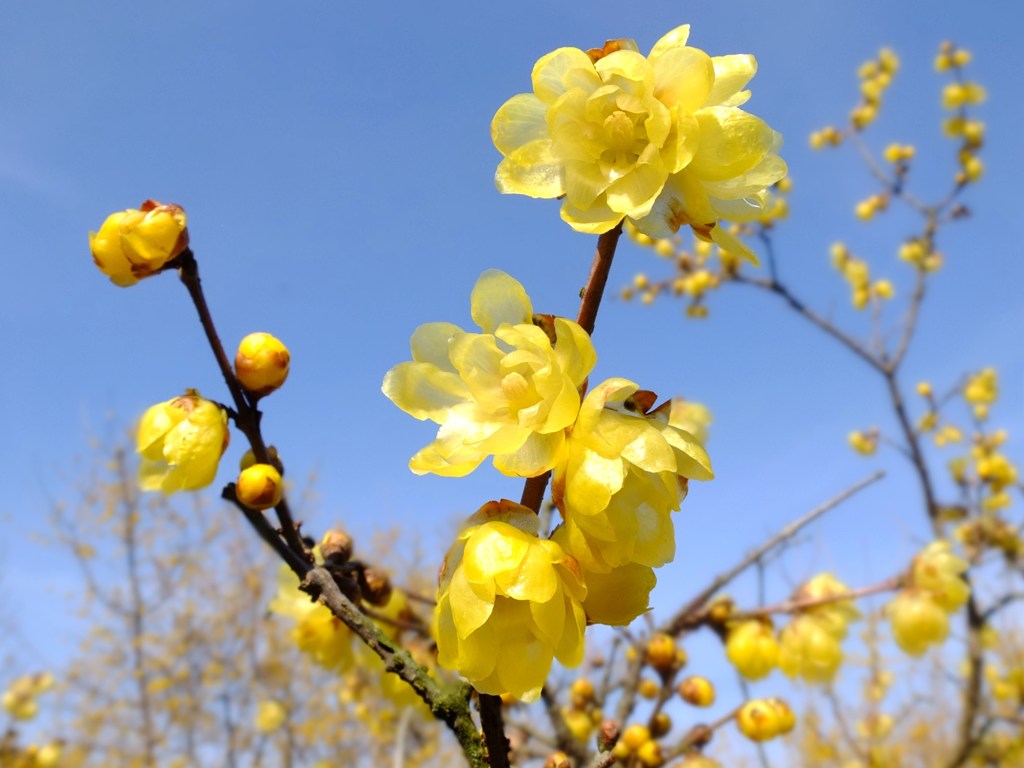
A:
375	585
336	547
697	691
661	724
261	363
661	653
259	487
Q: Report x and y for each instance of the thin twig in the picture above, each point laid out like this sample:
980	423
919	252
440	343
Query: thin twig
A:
683	617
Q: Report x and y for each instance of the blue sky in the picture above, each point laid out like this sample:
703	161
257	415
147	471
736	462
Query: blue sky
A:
336	166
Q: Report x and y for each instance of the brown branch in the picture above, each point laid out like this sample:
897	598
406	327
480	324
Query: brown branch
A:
685	615
493	726
779	289
796	605
247	415
450	705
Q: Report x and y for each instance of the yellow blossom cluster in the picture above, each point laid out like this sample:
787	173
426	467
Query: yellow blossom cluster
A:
876	76
981	390
898	154
858	275
921	255
20	700
867	208
658	139
638	745
957	96
829	136
620	468
702	267
810	646
934	588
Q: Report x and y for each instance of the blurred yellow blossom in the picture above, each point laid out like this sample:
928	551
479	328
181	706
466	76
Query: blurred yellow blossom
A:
19	700
181	442
270	715
751	647
317	632
658	139
509	392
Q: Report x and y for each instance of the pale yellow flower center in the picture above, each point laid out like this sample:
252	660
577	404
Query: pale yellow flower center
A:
516	388
623	146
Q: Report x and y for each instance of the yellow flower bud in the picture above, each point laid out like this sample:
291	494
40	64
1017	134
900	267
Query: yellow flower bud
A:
961	58
661	652
883	289
787	720
665	248
635	736
924	389
180	442
865	210
579	723
758	720
649	754
648	688
135	244
259	487
661	724
697	691
581	692
261	363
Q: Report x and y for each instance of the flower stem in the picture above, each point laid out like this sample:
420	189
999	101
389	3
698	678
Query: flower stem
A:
590	302
247	415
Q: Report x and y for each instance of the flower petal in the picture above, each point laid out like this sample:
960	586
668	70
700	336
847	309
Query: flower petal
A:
731	74
562	70
519	121
531	170
499	298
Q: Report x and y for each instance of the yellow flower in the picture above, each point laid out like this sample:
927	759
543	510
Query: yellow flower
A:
510	391
763	719
181	442
836	615
261	363
864	443
134	244
810	648
317	632
752	649
270	715
659	139
508	604
982	388
918	621
625	472
697	691
940	572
